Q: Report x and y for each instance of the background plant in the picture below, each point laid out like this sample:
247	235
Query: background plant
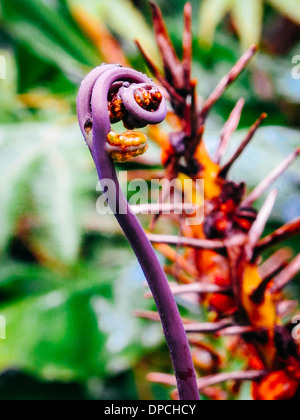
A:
246	17
46	275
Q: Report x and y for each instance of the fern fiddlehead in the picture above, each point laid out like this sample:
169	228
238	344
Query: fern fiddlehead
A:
108	94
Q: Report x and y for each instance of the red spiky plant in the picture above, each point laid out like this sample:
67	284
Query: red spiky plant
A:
223	262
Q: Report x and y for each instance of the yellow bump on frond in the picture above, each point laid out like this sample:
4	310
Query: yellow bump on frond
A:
125	157
123	147
127	139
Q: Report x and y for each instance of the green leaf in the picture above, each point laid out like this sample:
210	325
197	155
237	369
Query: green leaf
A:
211	14
44	175
17	160
116	320
45	47
83	328
123	19
21	280
247	16
289	8
50	32
248	20
58	201
11	107
42	75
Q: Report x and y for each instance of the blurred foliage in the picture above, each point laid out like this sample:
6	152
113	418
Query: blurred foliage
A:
247	17
64	291
76	326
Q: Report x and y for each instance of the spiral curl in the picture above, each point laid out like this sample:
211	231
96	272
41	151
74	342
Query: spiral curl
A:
98	85
138	102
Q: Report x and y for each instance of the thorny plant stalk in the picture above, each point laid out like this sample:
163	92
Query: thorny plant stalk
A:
248	305
222	266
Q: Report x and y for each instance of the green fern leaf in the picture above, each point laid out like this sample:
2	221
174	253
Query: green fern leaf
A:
18	155
44	169
211	14
248	20
289	8
123	19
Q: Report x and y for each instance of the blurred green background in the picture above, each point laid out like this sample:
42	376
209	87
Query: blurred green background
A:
69	283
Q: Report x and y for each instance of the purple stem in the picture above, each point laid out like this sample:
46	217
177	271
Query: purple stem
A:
92	105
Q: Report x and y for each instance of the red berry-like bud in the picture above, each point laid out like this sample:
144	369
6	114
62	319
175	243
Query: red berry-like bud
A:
116	109
148	97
